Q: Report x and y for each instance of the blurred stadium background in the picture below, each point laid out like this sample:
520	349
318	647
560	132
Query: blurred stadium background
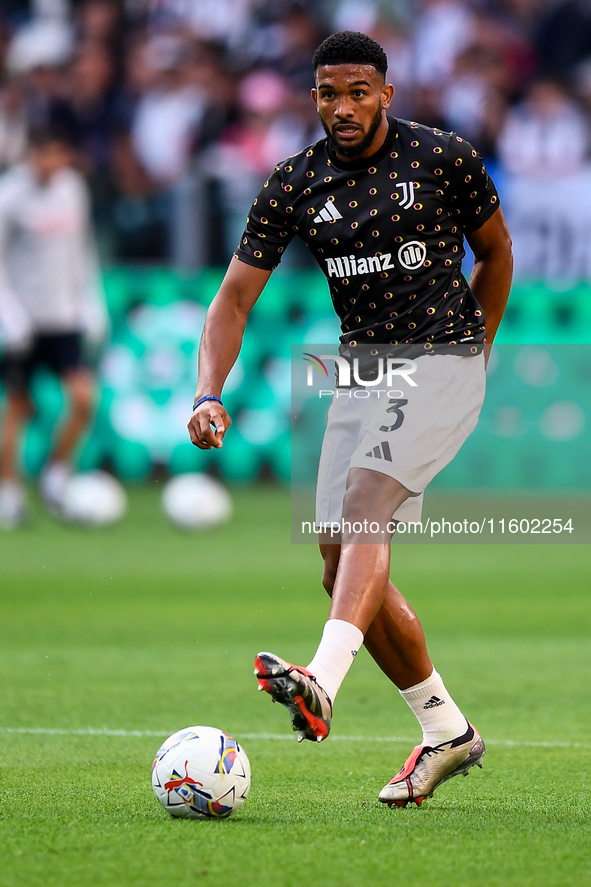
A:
179	109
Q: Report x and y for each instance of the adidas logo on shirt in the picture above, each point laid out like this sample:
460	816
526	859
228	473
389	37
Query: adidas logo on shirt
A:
434	702
328	213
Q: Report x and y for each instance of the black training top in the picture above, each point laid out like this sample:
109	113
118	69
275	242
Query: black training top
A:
387	232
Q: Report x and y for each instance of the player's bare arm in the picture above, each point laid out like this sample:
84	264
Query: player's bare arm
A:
490	280
219	349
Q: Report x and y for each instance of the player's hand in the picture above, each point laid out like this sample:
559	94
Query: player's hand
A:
208	425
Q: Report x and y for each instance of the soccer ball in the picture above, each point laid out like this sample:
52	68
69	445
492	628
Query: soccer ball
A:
94	498
196	501
201	773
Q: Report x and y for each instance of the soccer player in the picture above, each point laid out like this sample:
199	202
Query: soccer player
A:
384	205
49	297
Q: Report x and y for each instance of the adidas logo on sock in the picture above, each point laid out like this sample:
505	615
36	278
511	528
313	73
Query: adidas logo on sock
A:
434	702
328	213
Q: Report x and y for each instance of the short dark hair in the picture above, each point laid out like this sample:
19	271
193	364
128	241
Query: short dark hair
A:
351	47
48	134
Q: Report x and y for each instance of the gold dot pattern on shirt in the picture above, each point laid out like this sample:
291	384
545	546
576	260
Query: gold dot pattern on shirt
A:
365	287
312	232
415	164
334	241
258	254
438	150
309	153
430	310
266	185
310	174
273	203
398	239
372	304
372	170
395	218
478	313
412	326
414	144
311	211
351	182
388	295
359	244
370	333
373	212
375	233
438	172
354	225
289	209
412	296
393	175
307	191
353	204
459	161
328	179
420	227
418	206
288	188
394	155
264	220
373	191
345	281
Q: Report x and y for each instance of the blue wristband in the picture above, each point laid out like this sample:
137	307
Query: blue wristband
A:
207	397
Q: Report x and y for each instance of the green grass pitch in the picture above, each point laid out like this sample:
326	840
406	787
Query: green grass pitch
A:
142	628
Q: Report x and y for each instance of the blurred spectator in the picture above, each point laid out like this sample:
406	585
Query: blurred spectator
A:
564	37
50	297
544	146
270	127
168	113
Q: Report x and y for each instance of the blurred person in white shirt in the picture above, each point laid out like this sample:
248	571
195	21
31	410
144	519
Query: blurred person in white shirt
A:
544	147
50	298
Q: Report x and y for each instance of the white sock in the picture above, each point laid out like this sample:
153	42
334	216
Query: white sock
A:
435	710
335	654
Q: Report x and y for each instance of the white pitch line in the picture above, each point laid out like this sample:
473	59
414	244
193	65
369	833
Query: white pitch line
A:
280	737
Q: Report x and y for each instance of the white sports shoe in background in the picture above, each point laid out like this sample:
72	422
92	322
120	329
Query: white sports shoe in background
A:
52	485
13	509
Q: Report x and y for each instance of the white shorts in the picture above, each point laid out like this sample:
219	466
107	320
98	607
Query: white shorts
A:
409	433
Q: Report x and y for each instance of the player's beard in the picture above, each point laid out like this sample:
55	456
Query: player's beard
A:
352	151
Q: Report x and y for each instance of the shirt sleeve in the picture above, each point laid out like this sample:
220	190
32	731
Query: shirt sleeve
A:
470	192
268	230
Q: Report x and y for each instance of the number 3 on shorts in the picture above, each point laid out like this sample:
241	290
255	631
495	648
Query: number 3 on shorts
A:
395	407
